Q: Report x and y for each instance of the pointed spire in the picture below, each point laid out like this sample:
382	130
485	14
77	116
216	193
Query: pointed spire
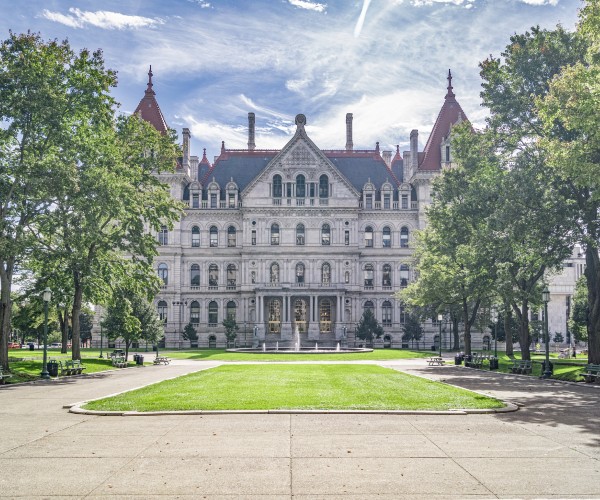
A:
449	94
149	110
222	147
204	155
377	147
149	87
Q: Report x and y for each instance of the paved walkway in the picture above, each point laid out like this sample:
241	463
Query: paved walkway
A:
550	448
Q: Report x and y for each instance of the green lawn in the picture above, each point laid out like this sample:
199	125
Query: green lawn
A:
296	387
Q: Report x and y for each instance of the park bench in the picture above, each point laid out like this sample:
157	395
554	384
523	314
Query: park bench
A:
592	373
71	367
119	362
117	353
435	360
161	359
4	376
476	361
522	366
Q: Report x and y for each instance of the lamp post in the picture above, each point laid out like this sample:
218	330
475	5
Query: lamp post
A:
101	355
46	295
546	299
440	318
494	314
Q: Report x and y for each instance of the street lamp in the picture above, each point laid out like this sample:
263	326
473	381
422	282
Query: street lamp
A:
440	318
46	295
494	315
546	299
101	356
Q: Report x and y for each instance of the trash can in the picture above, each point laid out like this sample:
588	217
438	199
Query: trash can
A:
544	366
52	368
135	357
31	347
139	360
458	359
493	363
433	348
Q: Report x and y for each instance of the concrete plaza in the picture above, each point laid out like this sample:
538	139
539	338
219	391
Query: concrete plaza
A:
550	448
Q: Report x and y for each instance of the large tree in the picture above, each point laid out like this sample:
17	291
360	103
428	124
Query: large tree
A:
49	96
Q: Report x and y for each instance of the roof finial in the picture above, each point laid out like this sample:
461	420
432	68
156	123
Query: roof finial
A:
149	88
204	154
449	78
222	146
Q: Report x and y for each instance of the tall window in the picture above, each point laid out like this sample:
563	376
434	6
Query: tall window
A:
347	277
326	274
195	236
368	236
213	275
404	201
254	236
386	201
403	314
275	316
323	186
163	236
195	275
447	153
300	234
274	273
213	200
325	315
231	276
163	273
214	236
231	200
386	313
346	237
162	311
404	270
300	186
300	273
386	279
195	200
275	234
231	310
369	306
195	313
387	237
369	201
213	313
404	237
369	275
325	234
231	236
277	190
300	316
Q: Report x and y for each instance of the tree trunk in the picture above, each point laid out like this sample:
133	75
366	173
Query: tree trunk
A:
6	272
77	299
65	331
456	338
524	336
508	331
592	275
467	328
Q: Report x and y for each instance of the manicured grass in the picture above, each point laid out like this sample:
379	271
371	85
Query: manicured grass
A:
222	355
296	387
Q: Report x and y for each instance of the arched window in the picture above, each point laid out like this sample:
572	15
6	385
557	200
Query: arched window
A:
300	273
253	277
386	313
325	234
163	236
326	274
300	186
163	273
323	186
213	276
325	315
404	270
274	273
214	236
231	310
275	316
368	236
231	277
277	190
231	236
403	314
300	315
404	237
300	234
387	237
347	277
369	306
274	234
369	275
162	311
195	236
386	278
195	313
213	313
195	275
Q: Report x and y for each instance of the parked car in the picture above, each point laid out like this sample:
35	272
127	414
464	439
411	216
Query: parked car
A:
56	344
14	345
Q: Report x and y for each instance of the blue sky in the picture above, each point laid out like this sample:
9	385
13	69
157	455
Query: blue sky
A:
385	61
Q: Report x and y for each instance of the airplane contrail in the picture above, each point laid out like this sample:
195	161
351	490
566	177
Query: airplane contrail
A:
361	18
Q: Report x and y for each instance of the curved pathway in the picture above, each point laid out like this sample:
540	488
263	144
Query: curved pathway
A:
549	448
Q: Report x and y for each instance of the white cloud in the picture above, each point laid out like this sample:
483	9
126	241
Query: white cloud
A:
201	3
361	18
307	4
421	3
541	2
101	19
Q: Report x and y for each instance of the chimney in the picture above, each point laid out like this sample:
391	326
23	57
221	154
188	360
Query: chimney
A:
387	157
349	143
251	122
414	149
186	147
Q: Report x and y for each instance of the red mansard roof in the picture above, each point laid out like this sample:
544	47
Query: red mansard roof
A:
149	110
450	114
